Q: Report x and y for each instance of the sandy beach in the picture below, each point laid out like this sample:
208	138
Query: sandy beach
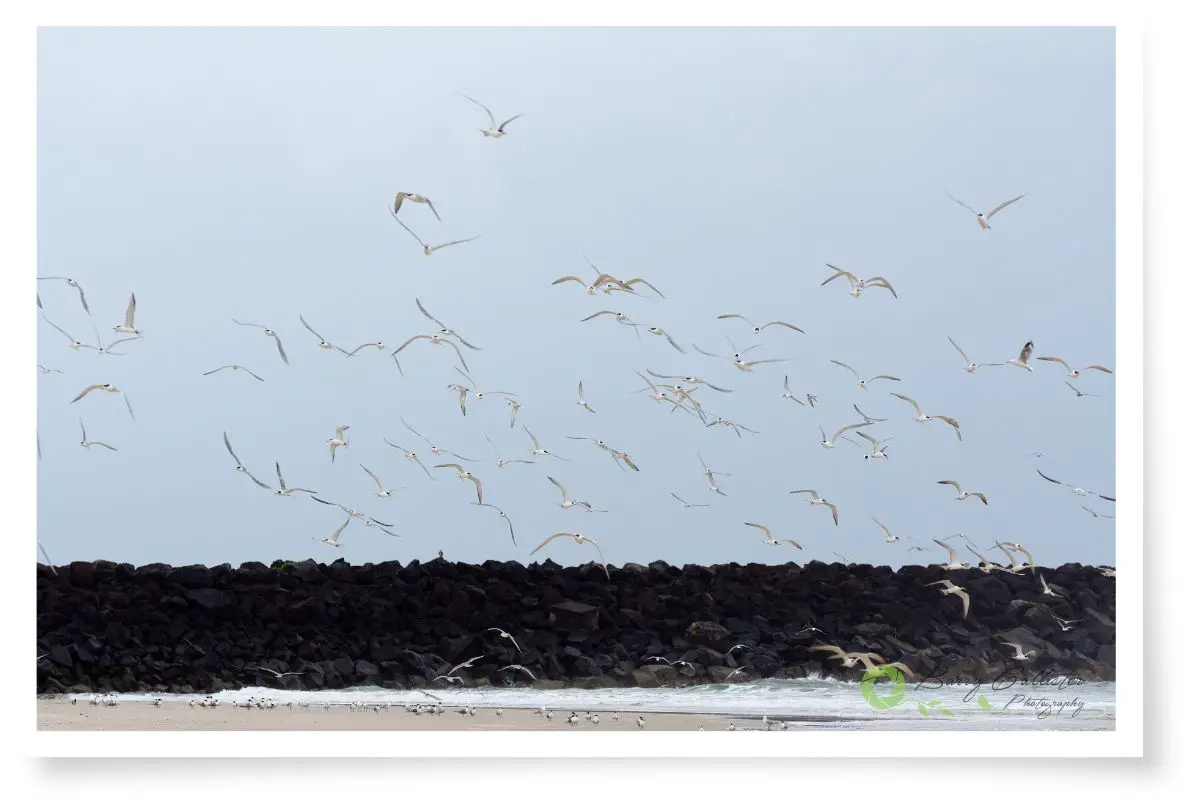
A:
59	715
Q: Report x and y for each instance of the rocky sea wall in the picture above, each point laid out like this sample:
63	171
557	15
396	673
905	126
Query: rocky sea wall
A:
115	627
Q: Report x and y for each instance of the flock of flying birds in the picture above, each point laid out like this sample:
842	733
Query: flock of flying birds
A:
684	395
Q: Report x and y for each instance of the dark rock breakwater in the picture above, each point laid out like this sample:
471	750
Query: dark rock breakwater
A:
107	626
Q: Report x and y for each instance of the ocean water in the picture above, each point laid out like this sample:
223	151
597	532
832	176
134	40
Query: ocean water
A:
806	703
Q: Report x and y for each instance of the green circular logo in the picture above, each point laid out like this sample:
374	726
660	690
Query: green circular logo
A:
867	685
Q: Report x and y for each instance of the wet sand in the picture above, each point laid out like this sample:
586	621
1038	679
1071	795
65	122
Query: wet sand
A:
59	715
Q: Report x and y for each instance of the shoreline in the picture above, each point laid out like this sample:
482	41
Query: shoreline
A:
59	715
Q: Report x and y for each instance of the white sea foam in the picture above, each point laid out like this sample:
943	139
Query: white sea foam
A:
808	702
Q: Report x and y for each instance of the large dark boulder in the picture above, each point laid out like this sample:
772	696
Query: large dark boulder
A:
196	576
572	616
651	676
209	599
712	634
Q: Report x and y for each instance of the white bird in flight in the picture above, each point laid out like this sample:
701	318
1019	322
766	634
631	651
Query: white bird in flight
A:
771	540
411	456
235	368
105	387
538	450
867	660
268	332
1022	360
613	283
436	339
239	467
619	316
1077	489
984	563
514	406
891	538
70	282
430	249
858	285
355	351
338	440
878	448
87	445
463	474
686	504
952	561
923	417
323	343
283	490
582	402
817	501
868	419
475	388
508	636
127	326
971	365
1020	654
736	358
495	131
982	219
274	673
951	588
464	665
653	331
521	669
443	329
788	394
334	539
829	443
434	448
74	343
689	379
380	491
500	460
1074	373
1065	624
737	427
862	384
578	538
567	502
1046	587
760	328
512	534
369	521
414	198
1015	567
1079	393
711	476
964	495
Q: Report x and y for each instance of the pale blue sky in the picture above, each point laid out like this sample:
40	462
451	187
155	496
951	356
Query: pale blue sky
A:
223	173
